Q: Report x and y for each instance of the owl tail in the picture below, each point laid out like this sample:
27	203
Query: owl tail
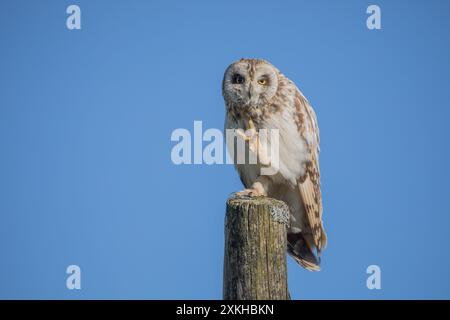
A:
302	253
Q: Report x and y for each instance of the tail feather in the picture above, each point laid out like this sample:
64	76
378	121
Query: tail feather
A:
302	253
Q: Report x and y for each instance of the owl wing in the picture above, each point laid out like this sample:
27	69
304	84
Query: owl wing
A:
309	184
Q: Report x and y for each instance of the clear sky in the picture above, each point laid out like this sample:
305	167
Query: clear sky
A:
86	116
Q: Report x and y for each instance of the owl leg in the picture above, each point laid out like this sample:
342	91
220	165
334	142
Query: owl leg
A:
254	143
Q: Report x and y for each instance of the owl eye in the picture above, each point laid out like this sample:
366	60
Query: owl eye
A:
262	82
238	79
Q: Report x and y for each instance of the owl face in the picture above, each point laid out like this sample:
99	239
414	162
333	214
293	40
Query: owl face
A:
250	83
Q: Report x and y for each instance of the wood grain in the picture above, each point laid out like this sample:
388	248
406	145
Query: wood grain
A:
255	249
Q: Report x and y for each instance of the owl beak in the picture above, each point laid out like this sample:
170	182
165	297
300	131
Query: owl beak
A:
251	95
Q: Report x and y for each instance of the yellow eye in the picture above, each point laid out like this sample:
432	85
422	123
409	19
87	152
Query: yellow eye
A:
262	82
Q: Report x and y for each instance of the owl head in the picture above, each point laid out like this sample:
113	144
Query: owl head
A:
250	83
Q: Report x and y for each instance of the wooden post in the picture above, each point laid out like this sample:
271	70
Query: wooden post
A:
255	249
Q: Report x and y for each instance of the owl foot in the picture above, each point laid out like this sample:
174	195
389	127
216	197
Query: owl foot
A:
250	135
258	189
249	193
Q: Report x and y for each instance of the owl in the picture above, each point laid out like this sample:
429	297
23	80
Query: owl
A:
258	96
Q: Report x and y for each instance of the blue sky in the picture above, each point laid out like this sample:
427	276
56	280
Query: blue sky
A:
86	118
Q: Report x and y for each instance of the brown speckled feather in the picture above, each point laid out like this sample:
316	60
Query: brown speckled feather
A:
309	184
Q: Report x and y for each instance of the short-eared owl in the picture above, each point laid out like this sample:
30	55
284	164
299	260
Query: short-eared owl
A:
258	96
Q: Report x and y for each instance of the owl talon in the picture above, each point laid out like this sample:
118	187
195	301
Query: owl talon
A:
242	134
251	125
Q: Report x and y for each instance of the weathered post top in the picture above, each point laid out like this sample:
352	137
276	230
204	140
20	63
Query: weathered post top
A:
255	249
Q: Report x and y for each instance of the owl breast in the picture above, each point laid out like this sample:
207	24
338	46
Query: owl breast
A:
290	148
